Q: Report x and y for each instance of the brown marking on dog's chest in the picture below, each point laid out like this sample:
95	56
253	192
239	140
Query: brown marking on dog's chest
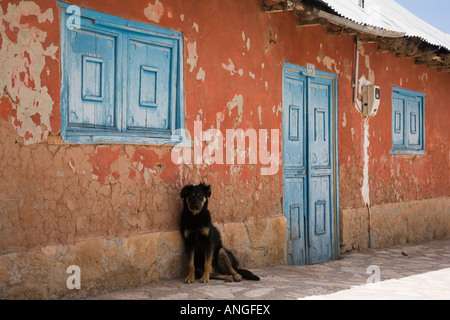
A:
187	233
204	231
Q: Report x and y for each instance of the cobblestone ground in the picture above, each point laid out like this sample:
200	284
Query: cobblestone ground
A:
412	271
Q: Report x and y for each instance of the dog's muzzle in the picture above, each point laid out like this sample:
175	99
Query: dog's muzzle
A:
195	206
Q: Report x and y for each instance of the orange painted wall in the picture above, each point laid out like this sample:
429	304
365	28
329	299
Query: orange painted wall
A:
51	192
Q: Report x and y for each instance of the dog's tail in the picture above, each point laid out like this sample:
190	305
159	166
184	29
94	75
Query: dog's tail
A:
247	275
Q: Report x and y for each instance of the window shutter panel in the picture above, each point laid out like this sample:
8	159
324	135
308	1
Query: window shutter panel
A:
149	87
91	79
398	121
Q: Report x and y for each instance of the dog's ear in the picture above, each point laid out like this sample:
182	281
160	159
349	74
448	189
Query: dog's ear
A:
184	192
206	190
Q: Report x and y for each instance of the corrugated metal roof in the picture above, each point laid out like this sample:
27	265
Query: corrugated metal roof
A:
389	15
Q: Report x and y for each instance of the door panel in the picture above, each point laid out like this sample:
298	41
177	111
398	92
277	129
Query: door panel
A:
294	212
319	219
319	125
293	119
308	157
294	167
319	169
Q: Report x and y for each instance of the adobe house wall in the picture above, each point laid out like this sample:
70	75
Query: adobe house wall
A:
113	210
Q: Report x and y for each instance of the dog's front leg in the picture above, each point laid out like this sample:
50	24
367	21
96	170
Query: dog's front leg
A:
208	266
191	273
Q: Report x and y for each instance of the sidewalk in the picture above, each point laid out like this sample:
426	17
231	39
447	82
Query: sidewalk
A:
412	271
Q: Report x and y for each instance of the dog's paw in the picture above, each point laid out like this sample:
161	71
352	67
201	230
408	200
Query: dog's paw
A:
237	277
204	278
228	278
190	279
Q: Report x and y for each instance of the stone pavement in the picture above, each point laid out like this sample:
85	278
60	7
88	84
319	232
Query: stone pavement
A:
412	271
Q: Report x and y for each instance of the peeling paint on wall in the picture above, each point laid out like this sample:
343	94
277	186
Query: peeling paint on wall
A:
238	101
246	43
155	11
101	162
365	190
195	27
230	67
192	55
22	50
370	72
201	74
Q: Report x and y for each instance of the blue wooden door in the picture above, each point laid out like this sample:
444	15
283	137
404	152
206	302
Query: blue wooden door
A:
294	164
308	166
320	162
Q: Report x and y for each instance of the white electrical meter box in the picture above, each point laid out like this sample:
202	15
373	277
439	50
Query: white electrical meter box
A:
370	100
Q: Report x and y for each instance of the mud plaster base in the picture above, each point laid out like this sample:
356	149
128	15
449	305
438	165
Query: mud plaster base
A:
121	263
395	223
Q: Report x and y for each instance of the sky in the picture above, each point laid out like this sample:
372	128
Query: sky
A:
435	12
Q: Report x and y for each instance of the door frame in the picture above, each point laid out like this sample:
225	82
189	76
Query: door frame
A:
334	130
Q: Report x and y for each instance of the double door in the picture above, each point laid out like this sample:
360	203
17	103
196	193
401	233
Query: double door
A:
309	157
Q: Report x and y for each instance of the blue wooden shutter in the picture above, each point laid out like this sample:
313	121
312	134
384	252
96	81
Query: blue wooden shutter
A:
398	123
121	80
149	83
91	74
407	121
413	118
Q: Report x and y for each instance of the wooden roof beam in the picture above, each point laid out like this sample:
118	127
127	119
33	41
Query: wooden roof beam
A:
309	23
273	9
444	69
283	6
353	25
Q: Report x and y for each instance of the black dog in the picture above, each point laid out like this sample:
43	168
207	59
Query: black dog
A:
207	257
